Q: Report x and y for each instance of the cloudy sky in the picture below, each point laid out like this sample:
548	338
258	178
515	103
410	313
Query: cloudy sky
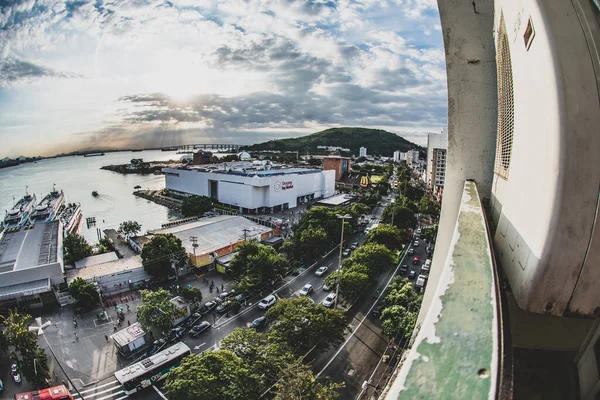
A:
78	74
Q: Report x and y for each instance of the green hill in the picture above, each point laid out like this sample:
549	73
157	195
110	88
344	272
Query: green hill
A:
377	142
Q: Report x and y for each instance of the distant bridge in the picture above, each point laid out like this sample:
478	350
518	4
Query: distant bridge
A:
204	146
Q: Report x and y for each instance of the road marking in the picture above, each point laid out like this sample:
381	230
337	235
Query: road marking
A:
159	392
198	346
100	386
381	292
214	345
124	397
104	391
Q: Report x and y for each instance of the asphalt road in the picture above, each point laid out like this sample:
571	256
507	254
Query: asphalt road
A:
351	363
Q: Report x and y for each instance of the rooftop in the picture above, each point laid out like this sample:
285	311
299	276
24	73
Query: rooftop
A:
215	233
28	248
128	335
337	200
94	260
249	170
103	269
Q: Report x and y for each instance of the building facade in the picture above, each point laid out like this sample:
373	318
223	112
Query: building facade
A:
362	152
248	188
341	166
412	158
397	156
437	146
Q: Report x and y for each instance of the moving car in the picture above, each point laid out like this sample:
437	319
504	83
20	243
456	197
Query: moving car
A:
354	245
416	244
376	311
346	253
175	334
404	269
200	328
416	261
192	320
267	302
412	275
240	298
306	289
259	322
15	373
411	251
326	287
321	271
329	300
1	386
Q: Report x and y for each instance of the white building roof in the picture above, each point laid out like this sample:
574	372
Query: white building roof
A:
107	268
28	248
95	260
336	200
215	233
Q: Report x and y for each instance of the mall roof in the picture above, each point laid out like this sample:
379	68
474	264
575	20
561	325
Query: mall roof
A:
98	259
338	200
103	269
215	233
28	248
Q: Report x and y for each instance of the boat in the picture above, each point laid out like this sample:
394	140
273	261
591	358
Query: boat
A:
137	187
47	209
18	215
95	193
93	154
70	217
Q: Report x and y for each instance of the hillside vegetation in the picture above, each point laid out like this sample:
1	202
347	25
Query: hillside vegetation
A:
377	142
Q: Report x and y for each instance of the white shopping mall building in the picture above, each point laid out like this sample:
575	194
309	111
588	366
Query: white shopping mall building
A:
252	186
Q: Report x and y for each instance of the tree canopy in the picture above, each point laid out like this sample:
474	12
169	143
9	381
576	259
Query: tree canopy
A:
300	325
129	228
156	310
256	265
402	305
85	293
158	253
192	206
403	217
75	247
388	235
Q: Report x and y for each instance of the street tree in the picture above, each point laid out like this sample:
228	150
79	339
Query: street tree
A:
321	217
428	206
129	229
411	191
313	242
85	293
302	325
429	233
156	310
26	349
354	281
388	235
256	265
158	253
402	305
404	218
297	381
75	247
213	375
192	295
192	206
105	245
376	257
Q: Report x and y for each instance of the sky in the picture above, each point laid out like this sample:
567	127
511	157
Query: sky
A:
145	73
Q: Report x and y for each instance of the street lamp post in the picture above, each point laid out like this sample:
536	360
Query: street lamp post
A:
393	210
339	270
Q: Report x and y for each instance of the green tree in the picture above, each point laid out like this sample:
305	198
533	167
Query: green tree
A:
429	233
428	206
105	245
192	295
85	293
402	308
158	253
388	235
300	325
256	265
298	382
17	335
404	218
129	228
75	247
213	375
314	242
196	205
375	257
411	191
156	310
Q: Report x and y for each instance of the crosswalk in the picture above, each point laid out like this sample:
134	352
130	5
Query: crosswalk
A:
111	390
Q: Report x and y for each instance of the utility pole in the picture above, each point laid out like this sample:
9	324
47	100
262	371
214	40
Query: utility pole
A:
339	269
245	233
194	240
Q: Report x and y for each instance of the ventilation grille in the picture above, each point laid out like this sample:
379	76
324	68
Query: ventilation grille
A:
506	105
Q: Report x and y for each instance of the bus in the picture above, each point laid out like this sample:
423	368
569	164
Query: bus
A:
52	393
152	369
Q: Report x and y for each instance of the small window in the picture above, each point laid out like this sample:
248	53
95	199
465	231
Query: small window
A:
529	34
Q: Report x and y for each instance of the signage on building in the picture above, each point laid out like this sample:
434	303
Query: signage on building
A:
283	185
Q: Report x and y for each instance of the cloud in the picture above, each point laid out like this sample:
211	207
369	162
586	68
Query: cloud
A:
14	72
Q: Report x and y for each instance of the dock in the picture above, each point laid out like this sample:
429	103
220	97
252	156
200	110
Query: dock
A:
156	197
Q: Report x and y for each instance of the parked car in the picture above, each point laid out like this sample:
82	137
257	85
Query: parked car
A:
15	373
404	269
267	302
223	307
416	244
240	298
411	251
354	245
192	320
326	287
208	306
200	328
306	289
412	275
329	300
421	281
226	295
321	271
376	311
259	322
175	334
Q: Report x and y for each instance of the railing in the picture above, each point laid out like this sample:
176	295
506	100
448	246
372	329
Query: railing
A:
456	352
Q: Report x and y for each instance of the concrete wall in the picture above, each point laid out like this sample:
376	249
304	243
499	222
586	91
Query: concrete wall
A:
472	115
545	209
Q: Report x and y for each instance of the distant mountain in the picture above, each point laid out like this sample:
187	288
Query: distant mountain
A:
377	142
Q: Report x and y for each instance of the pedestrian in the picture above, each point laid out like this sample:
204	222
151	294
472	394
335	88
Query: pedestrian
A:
215	316
222	287
128	323
75	333
211	289
106	337
114	328
127	307
217	290
212	283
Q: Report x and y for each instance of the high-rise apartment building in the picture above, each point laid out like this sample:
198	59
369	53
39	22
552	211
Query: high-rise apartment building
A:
412	158
437	145
397	156
362	152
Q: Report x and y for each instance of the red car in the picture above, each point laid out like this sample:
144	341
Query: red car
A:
416	261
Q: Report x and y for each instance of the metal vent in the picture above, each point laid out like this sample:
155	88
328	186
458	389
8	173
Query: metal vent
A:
506	104
147	363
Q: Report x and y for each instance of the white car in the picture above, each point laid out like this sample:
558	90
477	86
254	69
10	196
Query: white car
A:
306	289
416	243
267	302
321	271
329	300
